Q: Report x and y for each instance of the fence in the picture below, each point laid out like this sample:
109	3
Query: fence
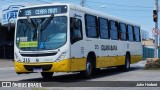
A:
149	52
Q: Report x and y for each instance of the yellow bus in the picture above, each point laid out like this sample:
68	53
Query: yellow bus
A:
63	37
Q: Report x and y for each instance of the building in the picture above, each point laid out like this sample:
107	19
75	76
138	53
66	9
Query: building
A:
8	18
6	42
145	35
148	48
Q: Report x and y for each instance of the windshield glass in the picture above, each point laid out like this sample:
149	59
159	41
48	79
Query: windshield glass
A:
41	33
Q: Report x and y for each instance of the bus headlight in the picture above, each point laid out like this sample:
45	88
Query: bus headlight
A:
61	56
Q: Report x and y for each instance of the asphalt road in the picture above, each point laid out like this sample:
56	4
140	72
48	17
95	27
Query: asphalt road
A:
74	80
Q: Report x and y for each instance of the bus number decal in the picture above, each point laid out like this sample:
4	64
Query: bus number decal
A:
28	12
26	60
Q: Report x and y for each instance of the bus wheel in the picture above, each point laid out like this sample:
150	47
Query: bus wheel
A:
89	70
126	66
47	75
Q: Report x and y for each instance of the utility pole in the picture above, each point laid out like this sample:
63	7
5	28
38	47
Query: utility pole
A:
156	27
82	3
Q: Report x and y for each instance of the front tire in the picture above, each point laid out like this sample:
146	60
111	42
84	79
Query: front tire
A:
89	70
47	75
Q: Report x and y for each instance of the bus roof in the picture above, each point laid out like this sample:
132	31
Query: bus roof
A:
88	11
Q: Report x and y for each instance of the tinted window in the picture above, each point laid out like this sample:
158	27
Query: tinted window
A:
113	30
42	34
91	26
130	33
104	31
76	30
137	34
123	31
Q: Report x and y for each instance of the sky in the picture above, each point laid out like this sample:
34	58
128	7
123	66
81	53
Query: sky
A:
137	11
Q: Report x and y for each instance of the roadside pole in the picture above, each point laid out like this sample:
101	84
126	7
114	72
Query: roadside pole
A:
156	36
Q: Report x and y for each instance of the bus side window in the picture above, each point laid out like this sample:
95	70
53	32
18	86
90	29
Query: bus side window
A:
113	30
76	30
137	34
130	33
91	25
103	28
123	31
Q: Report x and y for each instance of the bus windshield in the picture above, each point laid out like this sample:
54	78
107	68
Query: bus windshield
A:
41	33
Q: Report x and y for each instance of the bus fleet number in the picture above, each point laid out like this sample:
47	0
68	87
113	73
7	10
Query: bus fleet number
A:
26	60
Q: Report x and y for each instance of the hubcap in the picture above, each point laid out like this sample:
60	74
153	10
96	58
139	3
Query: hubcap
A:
127	66
89	67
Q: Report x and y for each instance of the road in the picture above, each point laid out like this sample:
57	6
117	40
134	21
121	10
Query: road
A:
136	73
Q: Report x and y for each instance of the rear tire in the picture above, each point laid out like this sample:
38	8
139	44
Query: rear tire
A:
127	63
126	66
47	75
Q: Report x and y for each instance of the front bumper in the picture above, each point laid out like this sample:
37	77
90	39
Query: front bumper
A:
61	66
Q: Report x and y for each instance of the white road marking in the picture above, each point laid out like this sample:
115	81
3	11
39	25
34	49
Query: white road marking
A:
7	68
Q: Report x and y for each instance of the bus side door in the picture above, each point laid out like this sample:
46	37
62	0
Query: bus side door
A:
78	62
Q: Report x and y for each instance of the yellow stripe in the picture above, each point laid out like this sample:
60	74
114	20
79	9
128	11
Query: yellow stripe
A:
110	61
66	65
136	58
62	66
78	64
102	62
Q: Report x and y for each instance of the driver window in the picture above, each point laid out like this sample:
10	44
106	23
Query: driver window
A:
76	30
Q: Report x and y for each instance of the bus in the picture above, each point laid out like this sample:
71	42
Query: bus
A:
62	37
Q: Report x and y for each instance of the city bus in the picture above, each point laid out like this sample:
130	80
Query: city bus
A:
62	37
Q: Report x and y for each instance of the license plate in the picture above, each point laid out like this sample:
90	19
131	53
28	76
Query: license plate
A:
37	69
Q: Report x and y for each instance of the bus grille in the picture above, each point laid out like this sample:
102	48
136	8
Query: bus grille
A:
44	67
38	55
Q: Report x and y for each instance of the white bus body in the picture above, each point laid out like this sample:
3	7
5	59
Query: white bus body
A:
85	53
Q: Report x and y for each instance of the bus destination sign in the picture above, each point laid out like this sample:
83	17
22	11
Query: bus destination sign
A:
47	10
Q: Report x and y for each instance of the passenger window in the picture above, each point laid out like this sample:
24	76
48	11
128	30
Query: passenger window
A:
104	30
76	30
130	33
123	31
137	34
91	26
113	30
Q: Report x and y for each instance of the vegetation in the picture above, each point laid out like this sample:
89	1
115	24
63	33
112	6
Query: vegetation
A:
152	64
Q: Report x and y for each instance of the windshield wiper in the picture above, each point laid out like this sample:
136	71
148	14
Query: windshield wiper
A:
45	23
33	26
32	23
